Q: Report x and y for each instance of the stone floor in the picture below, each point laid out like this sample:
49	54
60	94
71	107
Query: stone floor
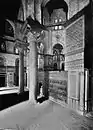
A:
45	116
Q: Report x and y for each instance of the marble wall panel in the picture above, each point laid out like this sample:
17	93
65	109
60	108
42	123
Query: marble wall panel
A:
75	6
74	51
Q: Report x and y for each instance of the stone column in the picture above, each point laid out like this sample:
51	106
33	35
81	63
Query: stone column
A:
32	72
86	88
38	10
58	67
21	70
46	73
82	93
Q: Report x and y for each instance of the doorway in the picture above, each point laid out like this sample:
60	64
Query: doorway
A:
16	74
2	81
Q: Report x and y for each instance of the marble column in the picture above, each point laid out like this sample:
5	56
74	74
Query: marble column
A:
86	88
21	70
58	67
33	72
38	10
82	93
46	73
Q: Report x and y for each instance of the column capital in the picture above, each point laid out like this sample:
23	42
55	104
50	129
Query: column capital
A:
21	45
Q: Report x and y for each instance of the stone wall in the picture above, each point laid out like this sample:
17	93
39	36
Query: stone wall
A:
9	58
75	6
58	14
46	17
74	55
8	68
28	8
58	36
9	47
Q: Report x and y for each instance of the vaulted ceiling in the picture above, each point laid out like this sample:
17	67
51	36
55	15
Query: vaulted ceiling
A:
56	4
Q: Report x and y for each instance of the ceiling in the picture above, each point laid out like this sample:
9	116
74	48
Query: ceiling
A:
8	10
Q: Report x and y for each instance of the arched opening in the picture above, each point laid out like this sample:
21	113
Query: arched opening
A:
62	66
54	10
16	74
55	66
58	57
9	28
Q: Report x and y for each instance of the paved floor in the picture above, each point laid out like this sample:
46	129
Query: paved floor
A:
45	116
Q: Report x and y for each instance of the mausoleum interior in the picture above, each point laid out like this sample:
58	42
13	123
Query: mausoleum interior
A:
46	53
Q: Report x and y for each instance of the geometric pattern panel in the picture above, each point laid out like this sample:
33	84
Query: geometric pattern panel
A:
75	35
74	50
75	65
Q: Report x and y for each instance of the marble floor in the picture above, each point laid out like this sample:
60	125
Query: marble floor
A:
45	116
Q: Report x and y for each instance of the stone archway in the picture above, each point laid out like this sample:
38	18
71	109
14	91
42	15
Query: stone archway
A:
10	28
53	9
44	2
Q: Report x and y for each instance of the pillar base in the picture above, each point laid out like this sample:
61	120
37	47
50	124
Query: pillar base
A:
32	102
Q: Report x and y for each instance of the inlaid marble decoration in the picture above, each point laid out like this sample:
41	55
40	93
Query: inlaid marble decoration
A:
74	58
58	84
77	56
58	37
75	35
75	6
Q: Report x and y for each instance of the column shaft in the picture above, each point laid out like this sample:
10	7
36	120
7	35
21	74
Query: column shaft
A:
33	72
21	71
46	73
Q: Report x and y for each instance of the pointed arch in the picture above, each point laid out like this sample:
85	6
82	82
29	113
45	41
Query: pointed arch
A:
12	25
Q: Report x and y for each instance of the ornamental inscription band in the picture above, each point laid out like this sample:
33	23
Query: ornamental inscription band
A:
58	89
